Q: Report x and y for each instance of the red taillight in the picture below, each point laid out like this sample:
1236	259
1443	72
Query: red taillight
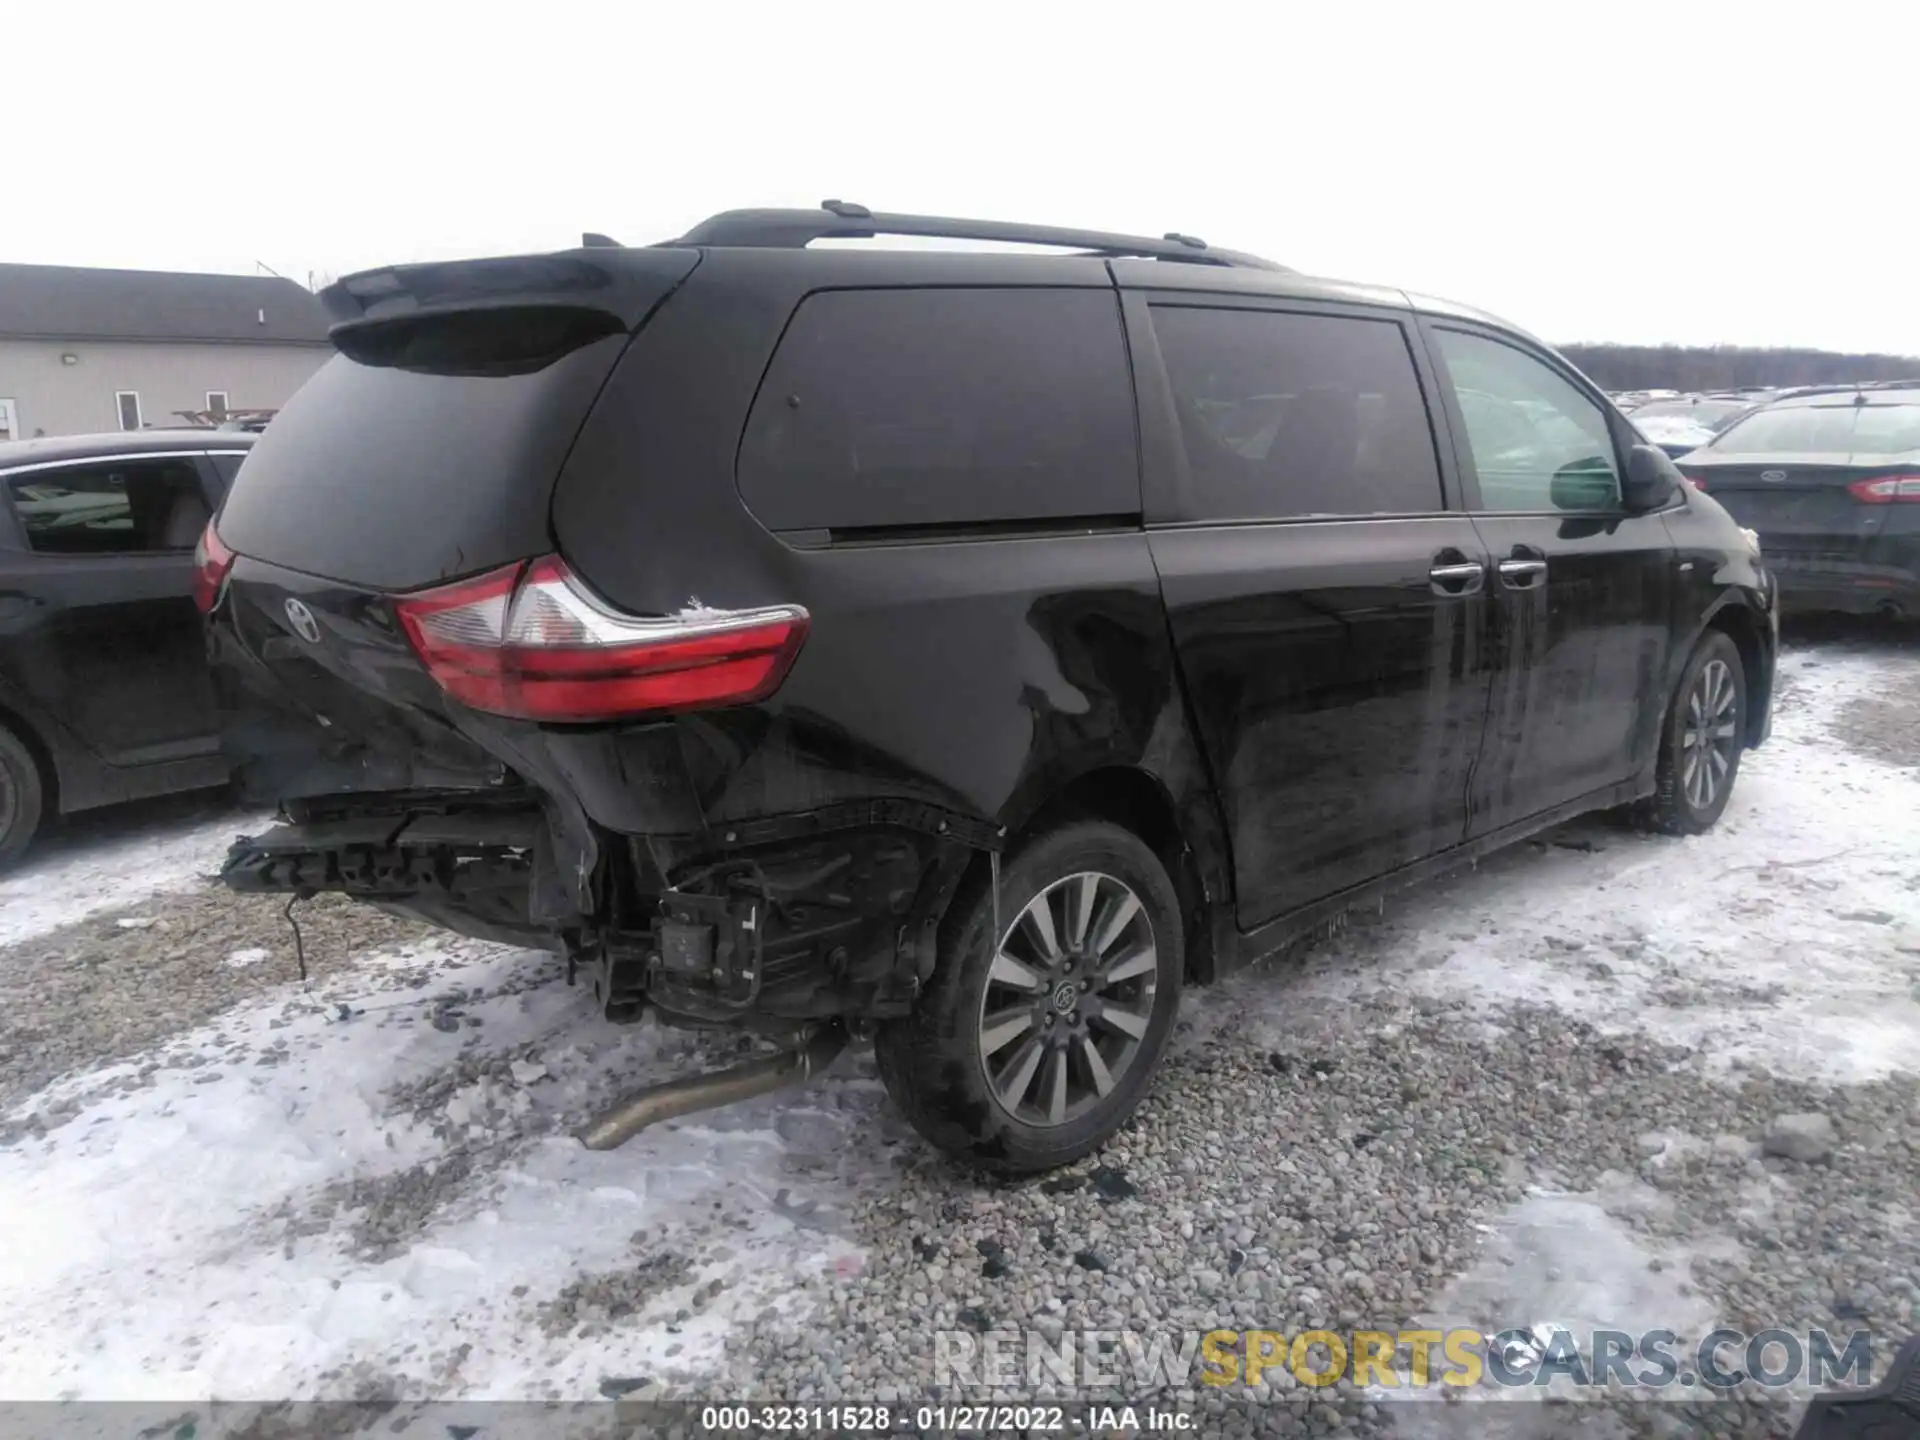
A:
211	562
529	640
1887	490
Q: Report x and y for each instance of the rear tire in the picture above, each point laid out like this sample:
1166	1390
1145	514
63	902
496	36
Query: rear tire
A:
1018	1057
1701	742
21	796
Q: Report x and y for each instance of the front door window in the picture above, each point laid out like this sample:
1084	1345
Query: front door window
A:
1538	443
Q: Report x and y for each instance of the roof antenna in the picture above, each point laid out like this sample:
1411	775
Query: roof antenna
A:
846	209
1192	242
594	240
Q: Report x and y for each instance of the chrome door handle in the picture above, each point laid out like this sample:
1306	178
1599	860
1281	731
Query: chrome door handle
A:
1464	578
1522	574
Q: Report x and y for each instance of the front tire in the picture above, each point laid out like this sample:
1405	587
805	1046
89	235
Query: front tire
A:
1702	740
1028	1053
21	796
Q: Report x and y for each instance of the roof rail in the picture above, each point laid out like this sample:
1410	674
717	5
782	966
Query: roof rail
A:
843	220
1846	387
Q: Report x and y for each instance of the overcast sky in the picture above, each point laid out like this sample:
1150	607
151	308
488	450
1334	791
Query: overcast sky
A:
1588	171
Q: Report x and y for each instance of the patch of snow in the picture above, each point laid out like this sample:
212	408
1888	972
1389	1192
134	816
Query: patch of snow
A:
191	1239
65	880
253	955
1568	1260
1673	430
1561	1265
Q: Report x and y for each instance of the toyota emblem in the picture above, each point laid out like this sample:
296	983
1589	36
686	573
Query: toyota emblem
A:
1773	476
304	625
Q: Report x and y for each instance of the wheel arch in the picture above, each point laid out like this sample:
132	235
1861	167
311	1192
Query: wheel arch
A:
1736	620
42	754
1137	801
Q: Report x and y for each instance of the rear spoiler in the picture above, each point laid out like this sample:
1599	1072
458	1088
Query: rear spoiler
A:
432	313
624	284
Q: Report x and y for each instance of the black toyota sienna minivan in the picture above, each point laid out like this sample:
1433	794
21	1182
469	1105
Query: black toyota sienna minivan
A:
963	649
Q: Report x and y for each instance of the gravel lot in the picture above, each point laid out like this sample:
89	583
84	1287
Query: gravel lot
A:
115	984
1541	1092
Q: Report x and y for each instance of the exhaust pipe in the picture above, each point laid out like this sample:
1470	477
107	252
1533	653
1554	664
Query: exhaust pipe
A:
670	1099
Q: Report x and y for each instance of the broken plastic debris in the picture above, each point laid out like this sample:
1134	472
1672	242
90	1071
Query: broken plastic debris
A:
1532	1349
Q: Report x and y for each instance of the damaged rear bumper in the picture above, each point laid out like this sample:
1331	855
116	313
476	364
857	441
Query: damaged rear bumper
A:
780	921
735	867
477	874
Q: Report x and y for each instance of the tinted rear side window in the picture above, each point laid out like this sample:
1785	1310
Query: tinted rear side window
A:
906	408
125	507
1286	415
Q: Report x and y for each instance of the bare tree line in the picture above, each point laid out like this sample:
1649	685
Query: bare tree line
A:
1724	367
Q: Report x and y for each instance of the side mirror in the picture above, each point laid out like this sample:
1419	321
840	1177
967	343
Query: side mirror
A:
1584	487
1651	481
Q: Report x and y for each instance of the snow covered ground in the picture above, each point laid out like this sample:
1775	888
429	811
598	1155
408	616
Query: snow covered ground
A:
106	860
378	1170
370	1186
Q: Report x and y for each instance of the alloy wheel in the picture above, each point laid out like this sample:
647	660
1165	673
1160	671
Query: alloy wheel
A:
1068	999
1709	735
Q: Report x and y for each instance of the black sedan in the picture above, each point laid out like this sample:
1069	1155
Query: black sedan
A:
1831	481
104	691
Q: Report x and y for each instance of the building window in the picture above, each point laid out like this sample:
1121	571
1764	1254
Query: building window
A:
129	403
217	404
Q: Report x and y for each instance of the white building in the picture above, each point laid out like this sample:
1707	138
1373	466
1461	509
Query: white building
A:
89	350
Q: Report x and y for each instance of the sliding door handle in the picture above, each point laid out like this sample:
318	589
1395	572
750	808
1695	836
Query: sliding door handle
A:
1463	578
1522	574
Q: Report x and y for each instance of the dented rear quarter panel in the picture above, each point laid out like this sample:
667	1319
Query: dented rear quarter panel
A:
981	676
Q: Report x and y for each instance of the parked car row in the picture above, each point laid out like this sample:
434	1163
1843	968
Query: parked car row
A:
1830	480
1686	422
1827	475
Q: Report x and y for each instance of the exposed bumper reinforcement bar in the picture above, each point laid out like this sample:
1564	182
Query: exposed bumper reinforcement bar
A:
620	1123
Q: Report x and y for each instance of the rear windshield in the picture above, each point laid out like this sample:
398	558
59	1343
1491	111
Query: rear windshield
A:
1825	430
394	478
1886	429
